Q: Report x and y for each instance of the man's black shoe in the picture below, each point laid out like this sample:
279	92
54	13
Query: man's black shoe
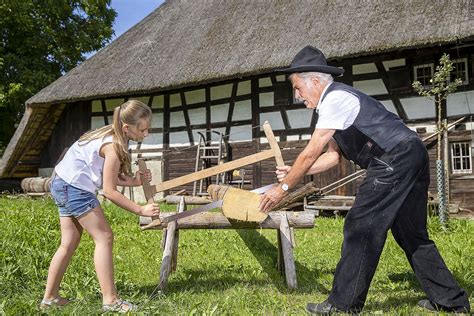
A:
324	308
427	304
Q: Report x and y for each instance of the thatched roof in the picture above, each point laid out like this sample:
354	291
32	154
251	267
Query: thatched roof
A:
188	42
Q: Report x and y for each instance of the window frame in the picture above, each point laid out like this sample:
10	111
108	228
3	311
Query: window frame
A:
465	80
461	158
415	75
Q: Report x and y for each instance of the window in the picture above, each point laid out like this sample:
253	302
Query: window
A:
461	161
424	73
460	70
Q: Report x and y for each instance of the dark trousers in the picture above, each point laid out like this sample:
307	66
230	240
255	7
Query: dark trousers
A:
392	196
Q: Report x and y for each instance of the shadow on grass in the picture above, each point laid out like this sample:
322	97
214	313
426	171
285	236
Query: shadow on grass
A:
266	253
405	277
200	281
394	302
261	248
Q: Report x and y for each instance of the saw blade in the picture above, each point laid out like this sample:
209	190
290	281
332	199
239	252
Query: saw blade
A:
263	189
194	211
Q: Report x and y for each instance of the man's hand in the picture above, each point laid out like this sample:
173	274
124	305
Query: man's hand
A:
150	210
281	172
271	198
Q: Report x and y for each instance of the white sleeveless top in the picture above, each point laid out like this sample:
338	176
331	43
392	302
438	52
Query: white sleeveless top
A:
82	165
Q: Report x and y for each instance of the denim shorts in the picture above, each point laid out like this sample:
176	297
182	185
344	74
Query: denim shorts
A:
70	200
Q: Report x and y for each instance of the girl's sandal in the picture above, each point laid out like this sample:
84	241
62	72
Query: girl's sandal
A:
57	302
119	307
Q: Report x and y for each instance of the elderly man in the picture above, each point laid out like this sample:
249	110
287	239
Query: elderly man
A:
392	196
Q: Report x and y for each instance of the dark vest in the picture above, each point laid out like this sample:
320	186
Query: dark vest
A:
374	132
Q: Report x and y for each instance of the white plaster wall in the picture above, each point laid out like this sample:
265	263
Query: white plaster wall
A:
158	102
177	119
96	106
389	106
364	68
418	107
195	96
240	133
242	110
264	82
222	91
393	63
300	118
179	138
155	139
243	87
266	99
274	118
219	113
175	100
111	104
155	167
460	103
197	116
371	87
96	122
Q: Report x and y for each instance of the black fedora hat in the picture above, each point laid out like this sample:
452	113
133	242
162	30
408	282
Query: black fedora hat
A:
311	59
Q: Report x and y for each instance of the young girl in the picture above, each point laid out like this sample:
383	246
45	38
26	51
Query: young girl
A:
98	159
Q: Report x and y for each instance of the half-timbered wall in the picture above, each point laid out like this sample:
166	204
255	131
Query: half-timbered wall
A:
237	109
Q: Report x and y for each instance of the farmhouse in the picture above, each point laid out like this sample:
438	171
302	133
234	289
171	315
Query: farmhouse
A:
206	70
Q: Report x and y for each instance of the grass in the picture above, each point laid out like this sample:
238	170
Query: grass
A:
219	271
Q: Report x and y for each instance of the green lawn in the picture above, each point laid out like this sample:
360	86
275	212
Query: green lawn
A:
219	271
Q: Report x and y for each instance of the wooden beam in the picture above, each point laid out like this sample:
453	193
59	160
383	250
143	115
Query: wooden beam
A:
231	165
273	144
217	220
394	97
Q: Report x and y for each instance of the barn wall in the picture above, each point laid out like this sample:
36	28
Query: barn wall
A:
74	121
237	109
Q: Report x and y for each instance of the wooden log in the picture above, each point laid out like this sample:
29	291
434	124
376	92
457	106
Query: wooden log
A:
297	195
238	204
188	200
36	184
287	252
214	220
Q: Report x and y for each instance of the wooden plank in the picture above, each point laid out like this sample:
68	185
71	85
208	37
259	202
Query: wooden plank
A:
215	220
148	189
231	165
174	262
166	263
273	144
188	200
287	252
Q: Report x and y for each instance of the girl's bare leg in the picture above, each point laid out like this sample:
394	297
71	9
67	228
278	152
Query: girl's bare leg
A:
71	232
95	223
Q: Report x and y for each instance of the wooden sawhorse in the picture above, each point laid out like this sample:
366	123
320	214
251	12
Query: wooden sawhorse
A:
281	221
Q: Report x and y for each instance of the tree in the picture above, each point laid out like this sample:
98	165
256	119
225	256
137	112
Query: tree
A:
39	41
440	89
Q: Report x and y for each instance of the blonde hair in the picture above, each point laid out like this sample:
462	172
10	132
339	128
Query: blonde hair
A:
131	113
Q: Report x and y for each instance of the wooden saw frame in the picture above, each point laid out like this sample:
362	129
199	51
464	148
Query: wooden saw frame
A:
274	151
282	221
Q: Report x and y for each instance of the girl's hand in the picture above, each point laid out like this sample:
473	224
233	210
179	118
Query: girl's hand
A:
137	180
150	210
281	172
